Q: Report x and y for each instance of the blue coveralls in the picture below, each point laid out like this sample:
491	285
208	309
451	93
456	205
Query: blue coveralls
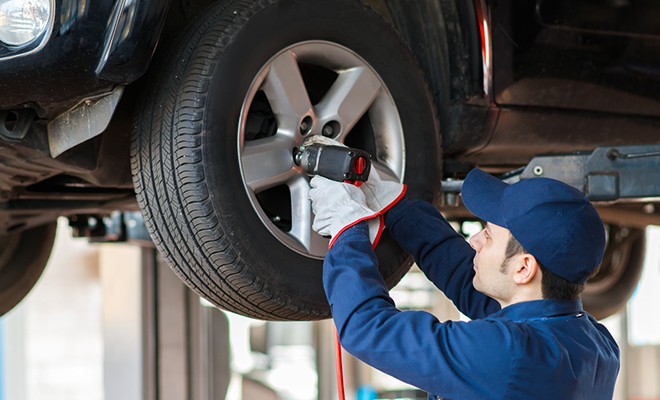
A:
544	349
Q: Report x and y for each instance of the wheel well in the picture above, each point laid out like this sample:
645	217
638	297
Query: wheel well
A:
434	29
444	37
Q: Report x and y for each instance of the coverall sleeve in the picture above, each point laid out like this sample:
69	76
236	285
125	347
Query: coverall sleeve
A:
442	254
453	359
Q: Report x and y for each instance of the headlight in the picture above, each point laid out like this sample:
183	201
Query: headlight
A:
22	21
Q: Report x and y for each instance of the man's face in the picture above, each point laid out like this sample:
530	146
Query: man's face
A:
492	276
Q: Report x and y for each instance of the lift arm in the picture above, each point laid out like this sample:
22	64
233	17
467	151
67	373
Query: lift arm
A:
607	174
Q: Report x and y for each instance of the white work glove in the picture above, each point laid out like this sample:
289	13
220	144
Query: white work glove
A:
337	206
381	194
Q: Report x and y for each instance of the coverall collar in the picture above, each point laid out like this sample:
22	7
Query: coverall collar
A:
539	309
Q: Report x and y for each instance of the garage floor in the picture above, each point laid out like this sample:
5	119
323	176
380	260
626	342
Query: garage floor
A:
113	322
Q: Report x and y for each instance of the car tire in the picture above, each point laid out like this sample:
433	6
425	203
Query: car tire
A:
609	290
218	101
23	257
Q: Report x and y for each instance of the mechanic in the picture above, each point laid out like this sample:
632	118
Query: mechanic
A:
519	281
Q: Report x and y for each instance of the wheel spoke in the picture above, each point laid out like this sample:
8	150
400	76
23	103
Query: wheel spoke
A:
385	172
268	162
302	218
349	98
286	92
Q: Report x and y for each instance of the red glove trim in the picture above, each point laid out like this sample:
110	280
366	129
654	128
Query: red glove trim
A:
379	215
381	228
353	224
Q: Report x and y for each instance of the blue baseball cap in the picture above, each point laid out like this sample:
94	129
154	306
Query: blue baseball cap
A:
552	220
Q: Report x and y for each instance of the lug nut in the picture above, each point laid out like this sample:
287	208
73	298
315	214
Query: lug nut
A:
297	155
330	129
306	125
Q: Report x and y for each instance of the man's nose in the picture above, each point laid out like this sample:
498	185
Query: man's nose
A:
475	241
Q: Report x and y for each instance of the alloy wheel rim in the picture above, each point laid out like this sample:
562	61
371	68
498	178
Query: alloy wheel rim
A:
311	88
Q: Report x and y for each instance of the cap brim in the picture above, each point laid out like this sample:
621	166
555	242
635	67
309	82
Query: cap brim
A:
482	196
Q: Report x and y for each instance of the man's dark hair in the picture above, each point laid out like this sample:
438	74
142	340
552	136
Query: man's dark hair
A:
553	286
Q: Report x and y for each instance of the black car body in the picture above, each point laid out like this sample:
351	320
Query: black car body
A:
170	100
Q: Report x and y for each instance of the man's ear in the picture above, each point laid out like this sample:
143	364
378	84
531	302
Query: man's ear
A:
527	268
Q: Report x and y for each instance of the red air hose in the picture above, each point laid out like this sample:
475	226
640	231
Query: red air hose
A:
339	367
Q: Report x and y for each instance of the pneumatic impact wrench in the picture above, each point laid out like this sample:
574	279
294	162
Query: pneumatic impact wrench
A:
338	163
